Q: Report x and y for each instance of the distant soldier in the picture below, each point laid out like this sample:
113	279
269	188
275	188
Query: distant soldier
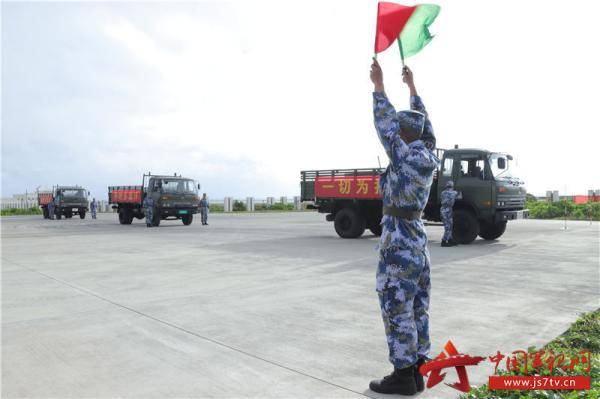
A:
448	197
51	209
403	282
204	207
149	210
94	208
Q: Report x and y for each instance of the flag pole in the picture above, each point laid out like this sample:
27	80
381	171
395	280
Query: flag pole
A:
401	52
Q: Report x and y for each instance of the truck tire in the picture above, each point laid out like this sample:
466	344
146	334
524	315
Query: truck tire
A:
125	216
489	231
155	218
349	223
81	214
187	219
58	214
68	215
465	227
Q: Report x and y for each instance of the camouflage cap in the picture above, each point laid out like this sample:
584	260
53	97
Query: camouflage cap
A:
411	122
450	184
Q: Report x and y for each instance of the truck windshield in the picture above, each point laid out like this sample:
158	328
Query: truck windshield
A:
73	193
179	186
508	172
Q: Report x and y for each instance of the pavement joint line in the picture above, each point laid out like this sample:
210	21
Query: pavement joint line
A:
184	330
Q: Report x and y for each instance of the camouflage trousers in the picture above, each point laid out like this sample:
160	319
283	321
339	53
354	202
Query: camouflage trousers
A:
403	285
446	214
149	216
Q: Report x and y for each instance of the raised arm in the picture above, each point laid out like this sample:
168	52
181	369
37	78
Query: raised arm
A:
415	101
416	104
384	115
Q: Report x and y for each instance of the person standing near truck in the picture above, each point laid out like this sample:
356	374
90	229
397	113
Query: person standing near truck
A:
447	198
204	206
403	282
51	209
148	205
94	208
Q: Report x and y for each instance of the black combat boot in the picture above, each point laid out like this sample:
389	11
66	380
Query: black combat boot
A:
400	382
452	242
446	243
419	381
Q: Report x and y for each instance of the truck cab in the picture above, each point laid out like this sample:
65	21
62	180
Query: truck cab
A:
174	197
491	195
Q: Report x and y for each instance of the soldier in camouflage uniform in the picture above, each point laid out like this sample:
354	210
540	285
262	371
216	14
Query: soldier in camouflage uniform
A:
149	210
403	282
447	198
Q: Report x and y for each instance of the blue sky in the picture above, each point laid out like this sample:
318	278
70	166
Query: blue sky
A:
243	95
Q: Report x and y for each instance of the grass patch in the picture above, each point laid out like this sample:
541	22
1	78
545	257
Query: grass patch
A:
34	210
583	335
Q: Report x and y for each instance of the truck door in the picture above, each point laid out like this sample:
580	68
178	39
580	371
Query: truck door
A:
473	179
445	174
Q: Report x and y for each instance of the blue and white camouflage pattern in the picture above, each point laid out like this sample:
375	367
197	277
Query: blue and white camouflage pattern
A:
448	197
403	272
148	205
94	208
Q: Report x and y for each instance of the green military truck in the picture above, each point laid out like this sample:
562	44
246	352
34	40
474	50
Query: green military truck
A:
175	197
68	201
491	195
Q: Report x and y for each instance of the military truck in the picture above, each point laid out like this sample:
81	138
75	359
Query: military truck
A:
491	195
68	201
175	197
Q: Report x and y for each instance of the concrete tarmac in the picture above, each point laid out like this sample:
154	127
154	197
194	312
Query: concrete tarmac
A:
264	305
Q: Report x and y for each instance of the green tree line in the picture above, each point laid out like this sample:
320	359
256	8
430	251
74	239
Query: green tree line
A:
556	210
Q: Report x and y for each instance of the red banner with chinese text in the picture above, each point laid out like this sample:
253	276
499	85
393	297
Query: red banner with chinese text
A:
365	187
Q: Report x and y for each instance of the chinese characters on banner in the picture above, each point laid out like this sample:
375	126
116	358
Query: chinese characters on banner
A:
347	187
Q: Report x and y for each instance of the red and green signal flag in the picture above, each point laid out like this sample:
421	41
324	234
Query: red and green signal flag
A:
408	24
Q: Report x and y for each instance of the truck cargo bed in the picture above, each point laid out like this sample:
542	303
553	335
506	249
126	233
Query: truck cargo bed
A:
125	194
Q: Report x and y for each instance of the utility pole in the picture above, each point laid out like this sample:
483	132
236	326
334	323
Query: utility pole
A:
565	204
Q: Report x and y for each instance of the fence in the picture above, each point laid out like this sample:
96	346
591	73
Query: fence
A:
251	204
103	206
227	203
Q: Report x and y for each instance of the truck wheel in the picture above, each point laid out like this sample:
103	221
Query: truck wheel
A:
58	215
81	214
465	227
68	215
349	223
156	218
187	219
492	231
125	216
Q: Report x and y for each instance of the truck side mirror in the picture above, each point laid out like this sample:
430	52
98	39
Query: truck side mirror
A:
501	163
